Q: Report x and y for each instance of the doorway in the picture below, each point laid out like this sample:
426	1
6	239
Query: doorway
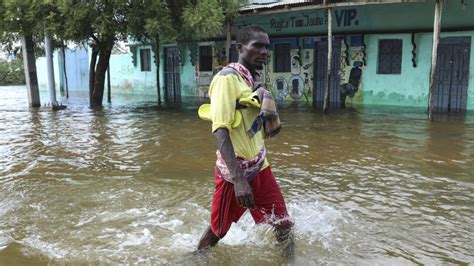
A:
320	74
452	75
172	74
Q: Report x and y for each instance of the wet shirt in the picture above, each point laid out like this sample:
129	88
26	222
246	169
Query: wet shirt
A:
226	88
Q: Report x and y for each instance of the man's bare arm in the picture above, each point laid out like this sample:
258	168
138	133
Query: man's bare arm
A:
242	189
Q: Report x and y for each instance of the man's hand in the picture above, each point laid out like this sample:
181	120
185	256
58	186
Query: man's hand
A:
244	194
242	189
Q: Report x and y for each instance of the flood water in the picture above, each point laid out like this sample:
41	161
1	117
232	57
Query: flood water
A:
132	183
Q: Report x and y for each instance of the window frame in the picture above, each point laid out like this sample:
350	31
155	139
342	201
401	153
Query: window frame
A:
282	63
390	57
145	59
208	57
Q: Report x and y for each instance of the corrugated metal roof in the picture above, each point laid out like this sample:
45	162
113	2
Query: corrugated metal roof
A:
263	4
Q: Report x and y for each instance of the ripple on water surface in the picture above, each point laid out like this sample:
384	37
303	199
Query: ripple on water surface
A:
132	183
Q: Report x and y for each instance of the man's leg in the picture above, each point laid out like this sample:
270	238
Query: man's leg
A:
284	236
208	239
225	210
271	208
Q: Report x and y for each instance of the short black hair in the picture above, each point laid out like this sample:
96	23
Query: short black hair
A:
245	34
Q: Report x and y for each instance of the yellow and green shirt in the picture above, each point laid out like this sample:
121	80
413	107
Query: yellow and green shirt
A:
225	90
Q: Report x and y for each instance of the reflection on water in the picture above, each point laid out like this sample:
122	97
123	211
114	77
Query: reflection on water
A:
132	183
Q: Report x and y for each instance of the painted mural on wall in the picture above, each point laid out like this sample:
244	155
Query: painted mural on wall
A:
297	83
352	65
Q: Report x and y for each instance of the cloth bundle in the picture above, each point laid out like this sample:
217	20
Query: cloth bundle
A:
268	117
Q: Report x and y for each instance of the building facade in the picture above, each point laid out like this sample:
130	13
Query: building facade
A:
381	55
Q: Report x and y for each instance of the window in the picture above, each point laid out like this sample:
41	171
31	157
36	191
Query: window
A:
390	57
281	55
145	60
205	58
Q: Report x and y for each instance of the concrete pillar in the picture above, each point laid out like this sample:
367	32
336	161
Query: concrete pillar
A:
49	64
29	63
434	54
329	66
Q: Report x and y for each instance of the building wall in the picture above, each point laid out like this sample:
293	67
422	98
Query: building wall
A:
128	78
303	29
42	73
77	69
188	80
296	84
371	23
411	87
364	18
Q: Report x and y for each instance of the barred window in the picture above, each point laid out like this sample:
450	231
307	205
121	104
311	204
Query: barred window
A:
205	58
281	58
145	60
390	57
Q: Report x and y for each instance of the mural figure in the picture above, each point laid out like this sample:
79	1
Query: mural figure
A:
295	82
297	86
307	75
295	65
281	89
352	86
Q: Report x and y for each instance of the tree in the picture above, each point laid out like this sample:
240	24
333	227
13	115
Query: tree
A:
101	23
195	20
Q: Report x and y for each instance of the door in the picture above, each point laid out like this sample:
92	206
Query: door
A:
320	74
452	75
172	75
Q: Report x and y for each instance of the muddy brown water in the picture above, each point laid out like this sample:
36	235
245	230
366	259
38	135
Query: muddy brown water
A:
132	183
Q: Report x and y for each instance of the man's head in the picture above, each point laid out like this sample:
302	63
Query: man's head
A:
252	44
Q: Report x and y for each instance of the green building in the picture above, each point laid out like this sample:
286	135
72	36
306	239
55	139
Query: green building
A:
382	54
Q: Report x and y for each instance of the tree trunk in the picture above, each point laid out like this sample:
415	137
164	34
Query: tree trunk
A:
227	43
109	96
97	71
95	52
101	69
29	64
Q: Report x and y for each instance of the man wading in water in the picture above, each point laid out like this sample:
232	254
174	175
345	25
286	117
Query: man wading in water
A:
243	113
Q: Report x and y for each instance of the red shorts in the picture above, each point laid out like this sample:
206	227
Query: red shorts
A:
269	203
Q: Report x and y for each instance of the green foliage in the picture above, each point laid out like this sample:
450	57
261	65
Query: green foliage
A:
207	17
12	73
231	7
92	21
100	23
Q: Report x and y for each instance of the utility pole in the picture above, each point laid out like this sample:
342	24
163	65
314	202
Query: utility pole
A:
50	70
328	74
